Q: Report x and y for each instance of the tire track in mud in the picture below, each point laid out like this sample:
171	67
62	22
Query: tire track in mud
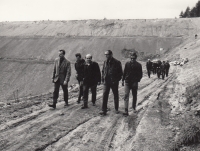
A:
150	111
131	122
51	127
27	121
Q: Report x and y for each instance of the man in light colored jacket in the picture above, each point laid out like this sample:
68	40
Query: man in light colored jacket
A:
61	77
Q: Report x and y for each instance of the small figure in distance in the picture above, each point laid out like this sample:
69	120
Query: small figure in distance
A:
61	77
167	66
196	36
149	67
163	69
132	75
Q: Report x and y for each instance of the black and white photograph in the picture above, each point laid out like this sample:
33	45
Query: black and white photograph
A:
99	75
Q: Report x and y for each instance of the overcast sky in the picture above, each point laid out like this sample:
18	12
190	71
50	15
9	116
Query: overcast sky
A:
30	10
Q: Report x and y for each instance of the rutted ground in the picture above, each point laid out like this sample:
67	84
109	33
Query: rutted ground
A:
36	127
29	124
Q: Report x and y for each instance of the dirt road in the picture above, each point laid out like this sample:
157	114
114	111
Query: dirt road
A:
30	124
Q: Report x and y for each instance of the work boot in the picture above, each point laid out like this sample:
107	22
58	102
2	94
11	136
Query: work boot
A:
66	104
84	107
102	113
134	110
116	112
126	112
52	105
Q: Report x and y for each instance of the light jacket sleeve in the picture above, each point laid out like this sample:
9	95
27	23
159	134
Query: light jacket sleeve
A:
68	72
54	70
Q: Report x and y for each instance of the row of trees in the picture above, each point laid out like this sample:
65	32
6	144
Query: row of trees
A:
194	12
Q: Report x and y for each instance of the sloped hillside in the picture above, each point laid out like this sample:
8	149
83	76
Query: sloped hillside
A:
168	110
39	41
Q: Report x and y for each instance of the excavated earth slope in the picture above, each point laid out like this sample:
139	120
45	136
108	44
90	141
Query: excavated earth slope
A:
27	50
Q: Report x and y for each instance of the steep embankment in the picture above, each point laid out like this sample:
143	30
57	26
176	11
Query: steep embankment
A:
41	40
167	110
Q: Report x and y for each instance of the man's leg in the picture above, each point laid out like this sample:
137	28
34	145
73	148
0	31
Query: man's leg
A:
126	98
134	93
167	70
94	93
106	90
115	91
163	75
80	91
55	94
65	94
148	73
85	96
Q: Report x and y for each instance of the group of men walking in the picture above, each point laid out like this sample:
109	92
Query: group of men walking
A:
158	67
89	76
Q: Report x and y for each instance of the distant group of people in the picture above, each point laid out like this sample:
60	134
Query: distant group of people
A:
158	67
88	75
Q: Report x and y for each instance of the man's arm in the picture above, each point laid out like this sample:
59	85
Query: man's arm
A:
54	71
103	70
120	71
140	71
98	74
68	72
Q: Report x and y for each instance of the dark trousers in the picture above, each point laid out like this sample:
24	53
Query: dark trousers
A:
80	94
154	70
106	90
86	88
56	92
163	75
149	72
167	71
134	87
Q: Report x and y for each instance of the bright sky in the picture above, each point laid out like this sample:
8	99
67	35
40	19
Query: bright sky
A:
31	10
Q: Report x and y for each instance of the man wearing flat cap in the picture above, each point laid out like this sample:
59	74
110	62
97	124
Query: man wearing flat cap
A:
111	75
132	75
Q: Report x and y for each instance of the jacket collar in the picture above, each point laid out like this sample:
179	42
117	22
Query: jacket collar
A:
110	61
81	60
88	63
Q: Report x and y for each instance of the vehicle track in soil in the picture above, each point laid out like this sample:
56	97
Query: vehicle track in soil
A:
72	128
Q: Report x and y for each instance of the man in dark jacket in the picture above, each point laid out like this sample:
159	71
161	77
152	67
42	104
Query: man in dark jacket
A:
91	78
149	67
132	75
61	76
79	67
111	75
167	66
